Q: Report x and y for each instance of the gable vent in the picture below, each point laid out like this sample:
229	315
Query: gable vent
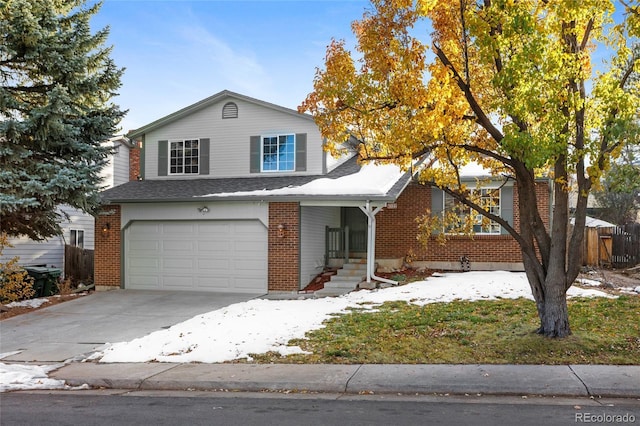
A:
230	110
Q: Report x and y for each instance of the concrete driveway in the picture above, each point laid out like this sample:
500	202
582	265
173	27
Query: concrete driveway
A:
78	327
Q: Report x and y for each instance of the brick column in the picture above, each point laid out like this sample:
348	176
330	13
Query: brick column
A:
134	162
106	262
284	246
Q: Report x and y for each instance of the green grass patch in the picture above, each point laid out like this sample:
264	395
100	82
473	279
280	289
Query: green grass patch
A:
605	331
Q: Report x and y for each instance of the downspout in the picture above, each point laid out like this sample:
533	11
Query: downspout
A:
371	244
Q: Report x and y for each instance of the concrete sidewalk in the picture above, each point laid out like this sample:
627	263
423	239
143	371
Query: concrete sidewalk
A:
544	380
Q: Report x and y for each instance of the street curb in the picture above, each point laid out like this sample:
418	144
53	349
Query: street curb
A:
555	380
486	379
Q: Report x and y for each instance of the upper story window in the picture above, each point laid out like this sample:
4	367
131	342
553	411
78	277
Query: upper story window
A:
230	110
183	156
76	238
488	198
278	153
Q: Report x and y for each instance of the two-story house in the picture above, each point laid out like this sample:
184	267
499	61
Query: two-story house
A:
236	194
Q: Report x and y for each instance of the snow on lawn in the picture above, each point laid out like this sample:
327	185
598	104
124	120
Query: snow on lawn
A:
260	325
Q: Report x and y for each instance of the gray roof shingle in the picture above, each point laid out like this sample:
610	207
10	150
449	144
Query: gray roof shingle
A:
175	190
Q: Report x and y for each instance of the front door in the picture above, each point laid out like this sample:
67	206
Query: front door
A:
356	220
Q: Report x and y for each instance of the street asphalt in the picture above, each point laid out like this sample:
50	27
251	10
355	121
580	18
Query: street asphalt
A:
64	334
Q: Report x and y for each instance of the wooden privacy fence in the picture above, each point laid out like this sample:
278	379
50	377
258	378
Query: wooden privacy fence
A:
617	247
78	264
625	241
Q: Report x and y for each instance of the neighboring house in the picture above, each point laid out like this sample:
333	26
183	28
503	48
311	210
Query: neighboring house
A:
236	194
77	226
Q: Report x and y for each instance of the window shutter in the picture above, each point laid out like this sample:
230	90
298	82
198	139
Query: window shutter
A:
204	156
437	203
506	206
301	152
254	154
163	158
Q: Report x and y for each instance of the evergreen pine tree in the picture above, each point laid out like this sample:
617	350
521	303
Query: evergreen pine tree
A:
57	79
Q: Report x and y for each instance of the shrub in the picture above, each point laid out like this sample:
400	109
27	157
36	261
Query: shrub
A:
15	283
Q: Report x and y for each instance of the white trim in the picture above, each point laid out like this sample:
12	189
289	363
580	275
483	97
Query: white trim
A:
73	242
371	213
475	213
277	136
183	166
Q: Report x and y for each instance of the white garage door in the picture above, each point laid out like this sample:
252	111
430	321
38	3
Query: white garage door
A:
214	255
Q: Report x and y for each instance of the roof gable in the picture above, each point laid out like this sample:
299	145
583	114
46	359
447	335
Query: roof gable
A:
218	97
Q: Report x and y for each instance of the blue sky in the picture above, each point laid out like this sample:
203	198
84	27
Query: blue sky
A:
179	52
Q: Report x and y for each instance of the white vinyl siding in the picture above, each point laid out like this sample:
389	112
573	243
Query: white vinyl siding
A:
50	253
230	139
313	223
116	171
121	166
202	255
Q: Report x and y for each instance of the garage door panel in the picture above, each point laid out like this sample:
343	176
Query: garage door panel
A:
214	265
215	246
216	255
217	284
245	284
145	228
171	246
215	228
145	281
248	265
148	263
246	246
141	245
178	264
178	228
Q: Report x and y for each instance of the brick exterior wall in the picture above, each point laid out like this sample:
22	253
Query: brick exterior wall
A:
397	229
283	274
134	162
107	257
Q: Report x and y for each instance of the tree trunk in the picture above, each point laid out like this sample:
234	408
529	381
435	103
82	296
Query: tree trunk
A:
555	316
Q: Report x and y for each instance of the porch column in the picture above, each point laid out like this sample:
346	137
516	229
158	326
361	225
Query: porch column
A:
371	243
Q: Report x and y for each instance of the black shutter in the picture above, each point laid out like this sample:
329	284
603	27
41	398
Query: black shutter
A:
163	158
203	167
301	152
254	154
437	203
506	206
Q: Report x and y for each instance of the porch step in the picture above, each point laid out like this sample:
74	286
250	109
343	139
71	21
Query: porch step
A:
331	292
346	279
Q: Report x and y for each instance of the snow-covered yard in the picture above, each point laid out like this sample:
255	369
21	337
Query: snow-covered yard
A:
262	325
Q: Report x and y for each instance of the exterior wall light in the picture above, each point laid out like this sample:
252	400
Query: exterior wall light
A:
282	228
106	228
203	209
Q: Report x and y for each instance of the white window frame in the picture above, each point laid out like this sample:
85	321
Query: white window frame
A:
494	227
74	233
277	136
184	158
